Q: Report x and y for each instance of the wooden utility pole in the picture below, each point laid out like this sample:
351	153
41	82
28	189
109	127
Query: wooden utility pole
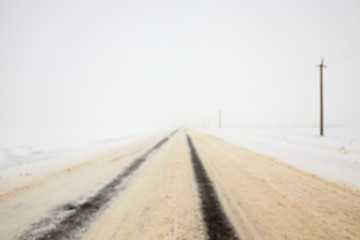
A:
219	118
321	98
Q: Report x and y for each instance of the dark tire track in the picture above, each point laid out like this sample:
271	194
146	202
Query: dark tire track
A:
217	224
78	216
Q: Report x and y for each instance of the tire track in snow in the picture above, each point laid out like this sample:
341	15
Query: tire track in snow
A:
217	224
73	219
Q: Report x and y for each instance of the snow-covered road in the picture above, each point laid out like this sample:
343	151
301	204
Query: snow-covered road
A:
153	189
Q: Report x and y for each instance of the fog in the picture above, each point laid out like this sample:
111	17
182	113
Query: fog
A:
103	65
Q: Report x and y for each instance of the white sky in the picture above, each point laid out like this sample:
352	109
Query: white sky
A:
100	64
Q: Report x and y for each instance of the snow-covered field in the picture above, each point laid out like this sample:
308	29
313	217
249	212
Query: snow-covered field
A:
336	156
22	154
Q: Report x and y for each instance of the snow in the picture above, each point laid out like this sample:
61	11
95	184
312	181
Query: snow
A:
336	156
34	153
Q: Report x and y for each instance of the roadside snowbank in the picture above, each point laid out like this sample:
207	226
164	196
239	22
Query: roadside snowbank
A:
22	158
335	156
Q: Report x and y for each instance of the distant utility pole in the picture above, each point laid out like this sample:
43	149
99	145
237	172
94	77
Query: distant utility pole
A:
321	98
219	118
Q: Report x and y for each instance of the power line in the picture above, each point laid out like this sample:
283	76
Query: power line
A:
346	48
301	74
345	53
305	75
344	58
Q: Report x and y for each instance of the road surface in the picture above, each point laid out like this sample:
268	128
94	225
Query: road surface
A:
177	185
